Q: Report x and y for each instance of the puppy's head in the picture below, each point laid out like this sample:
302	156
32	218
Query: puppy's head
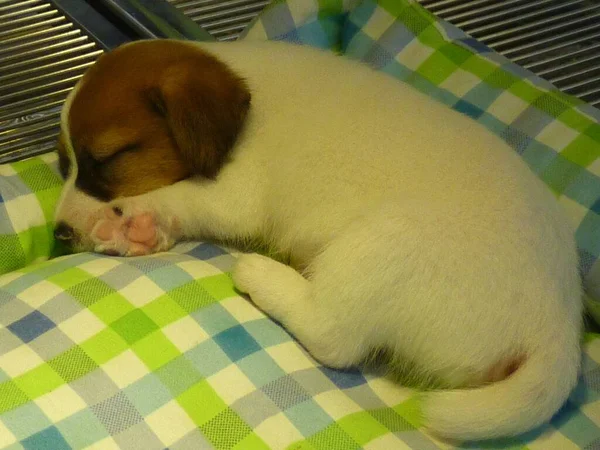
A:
146	115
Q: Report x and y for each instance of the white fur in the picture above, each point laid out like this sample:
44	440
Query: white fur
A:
414	228
74	206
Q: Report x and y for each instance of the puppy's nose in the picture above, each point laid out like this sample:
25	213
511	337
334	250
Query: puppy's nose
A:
63	232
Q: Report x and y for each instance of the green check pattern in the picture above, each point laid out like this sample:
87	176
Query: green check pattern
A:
29	190
161	352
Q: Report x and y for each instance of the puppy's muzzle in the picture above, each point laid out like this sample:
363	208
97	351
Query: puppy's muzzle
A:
64	232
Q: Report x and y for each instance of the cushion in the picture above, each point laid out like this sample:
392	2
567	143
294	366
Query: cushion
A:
29	190
160	351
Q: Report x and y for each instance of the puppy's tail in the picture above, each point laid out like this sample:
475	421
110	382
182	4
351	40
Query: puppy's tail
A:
527	398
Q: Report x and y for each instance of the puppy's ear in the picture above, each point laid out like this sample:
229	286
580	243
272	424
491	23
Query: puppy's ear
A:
205	105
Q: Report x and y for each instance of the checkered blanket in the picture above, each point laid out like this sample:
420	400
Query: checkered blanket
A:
28	193
160	351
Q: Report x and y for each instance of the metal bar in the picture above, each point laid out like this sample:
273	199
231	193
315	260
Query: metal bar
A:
555	61
462	5
34	89
28	152
25	28
46	76
225	19
36	34
231	6
545	31
14	48
229	37
50	56
183	4
226	31
24	73
39	98
22	4
28	122
152	19
558	80
44	50
574	87
571	65
34	51
590	92
31	110
434	5
229	20
32	18
495	11
21	12
86	17
192	5
502	26
17	144
513	53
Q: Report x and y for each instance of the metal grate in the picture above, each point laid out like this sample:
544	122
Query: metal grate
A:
43	52
224	19
559	40
42	55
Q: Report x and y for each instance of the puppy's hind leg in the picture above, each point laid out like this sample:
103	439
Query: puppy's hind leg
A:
288	297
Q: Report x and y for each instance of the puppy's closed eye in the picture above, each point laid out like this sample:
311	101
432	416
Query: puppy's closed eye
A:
91	177
134	146
129	148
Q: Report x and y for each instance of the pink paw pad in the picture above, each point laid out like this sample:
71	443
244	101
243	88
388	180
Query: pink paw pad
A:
142	230
133	236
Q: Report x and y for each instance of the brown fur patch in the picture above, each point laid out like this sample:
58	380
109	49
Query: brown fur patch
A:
152	113
503	369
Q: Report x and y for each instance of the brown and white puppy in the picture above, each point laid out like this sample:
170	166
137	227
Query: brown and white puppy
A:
414	228
144	131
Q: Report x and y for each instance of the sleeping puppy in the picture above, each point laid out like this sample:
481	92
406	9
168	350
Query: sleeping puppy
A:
407	226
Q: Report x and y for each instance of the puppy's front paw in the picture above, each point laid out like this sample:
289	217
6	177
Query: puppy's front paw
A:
263	279
248	271
126	230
